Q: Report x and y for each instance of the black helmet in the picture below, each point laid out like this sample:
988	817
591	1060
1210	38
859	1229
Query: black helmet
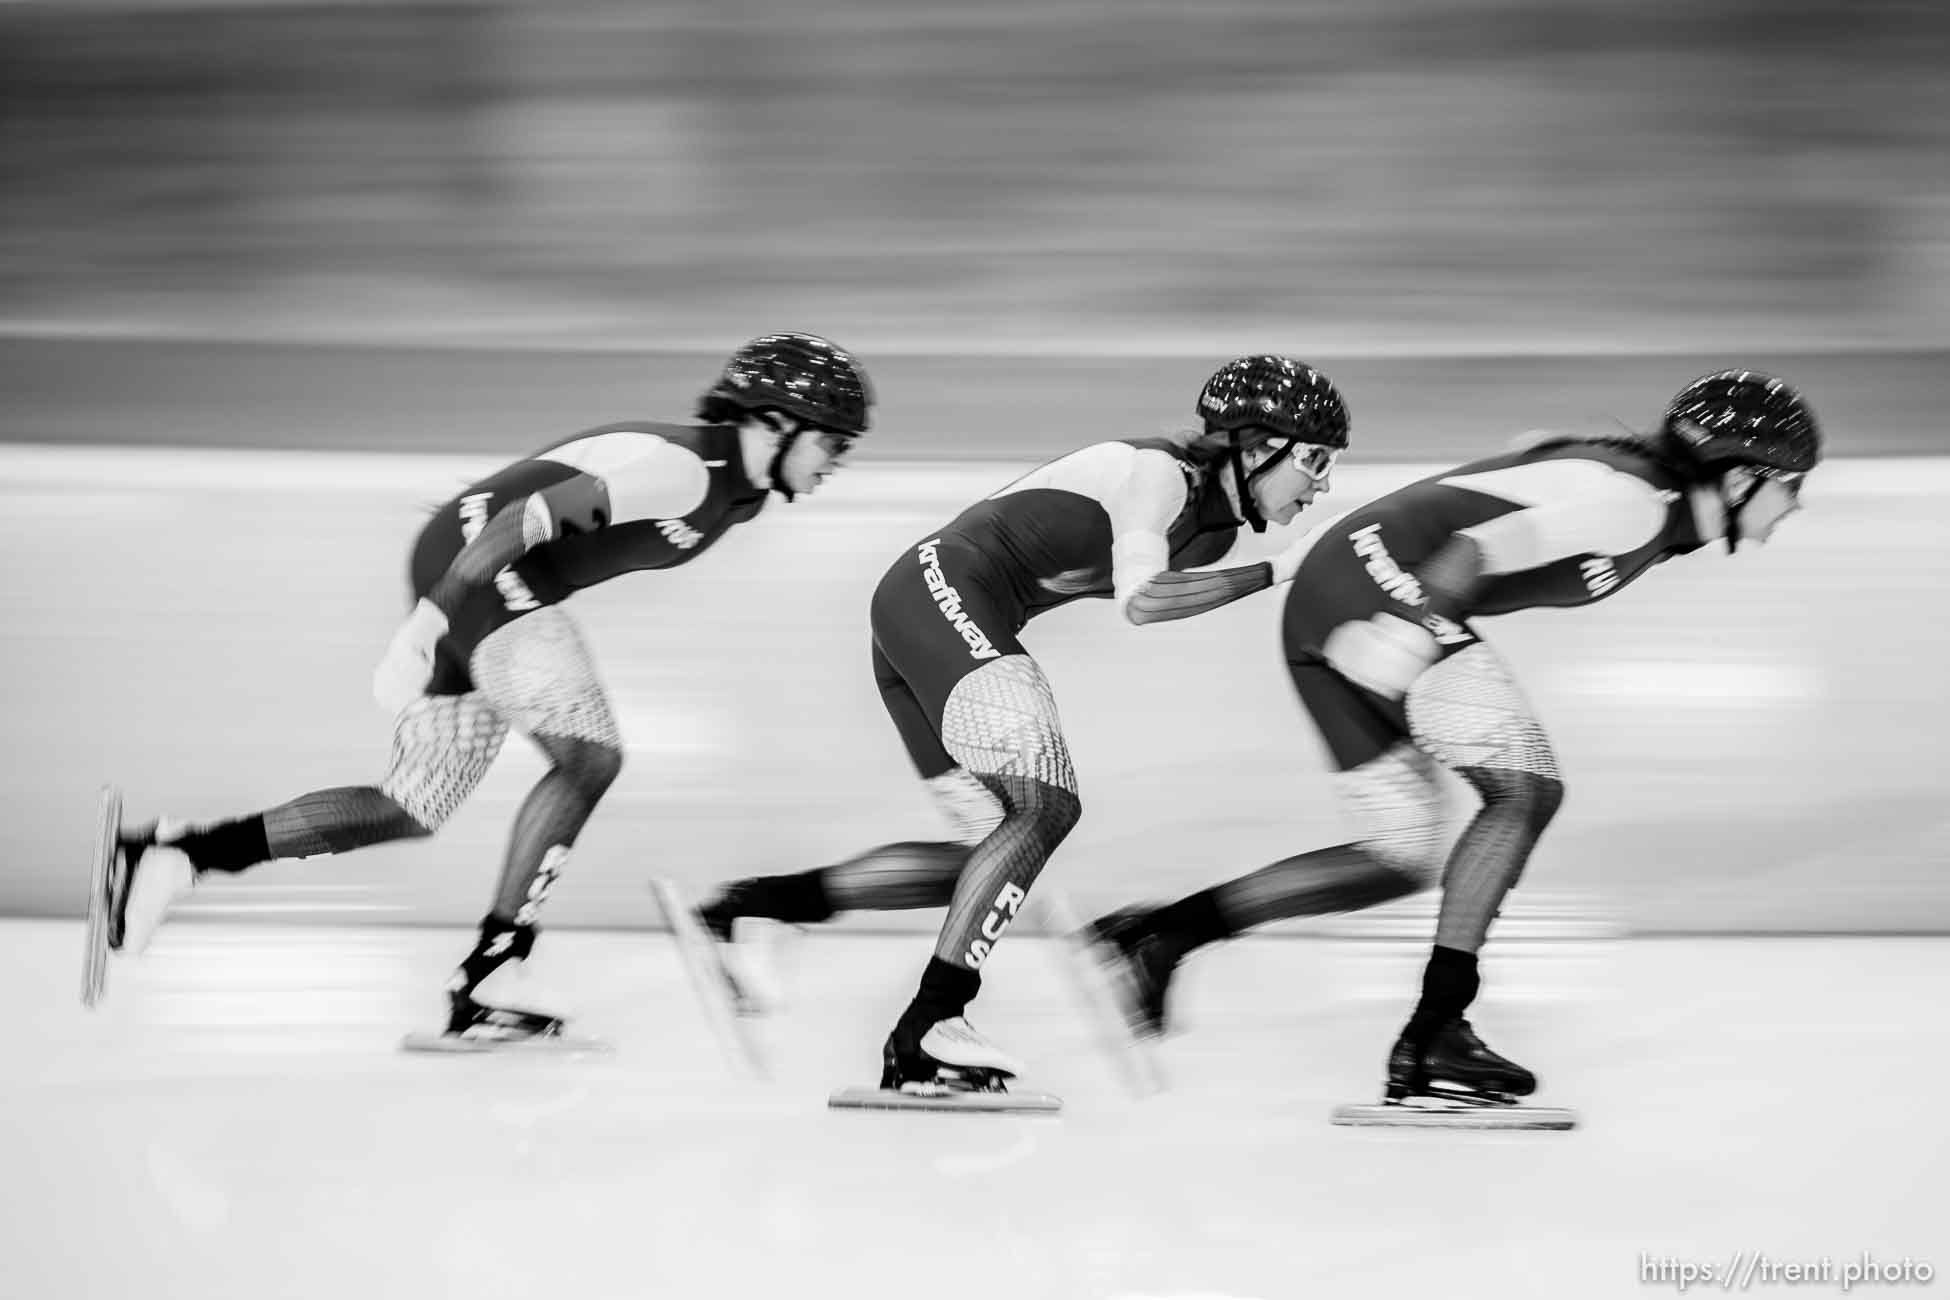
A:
1742	417
801	374
1278	395
1260	400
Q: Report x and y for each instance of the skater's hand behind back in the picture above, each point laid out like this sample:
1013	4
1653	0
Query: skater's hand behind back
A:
402	674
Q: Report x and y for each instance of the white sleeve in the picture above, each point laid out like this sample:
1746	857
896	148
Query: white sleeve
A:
1568	508
645	476
1141	507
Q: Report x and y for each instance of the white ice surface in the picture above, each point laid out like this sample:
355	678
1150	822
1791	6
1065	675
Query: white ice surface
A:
236	1122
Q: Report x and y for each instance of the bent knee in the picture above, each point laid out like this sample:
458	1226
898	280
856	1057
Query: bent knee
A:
1548	798
1047	813
411	814
602	768
1058	811
1536	796
592	765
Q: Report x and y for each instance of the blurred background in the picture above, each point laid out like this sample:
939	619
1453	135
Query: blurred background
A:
1083	175
326	260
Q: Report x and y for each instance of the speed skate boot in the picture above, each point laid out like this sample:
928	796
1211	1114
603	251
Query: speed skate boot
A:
1140	962
478	1019
950	1057
1455	1068
146	878
490	973
744	949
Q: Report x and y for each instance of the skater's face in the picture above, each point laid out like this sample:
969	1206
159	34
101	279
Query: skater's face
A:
815	454
1291	486
1767	501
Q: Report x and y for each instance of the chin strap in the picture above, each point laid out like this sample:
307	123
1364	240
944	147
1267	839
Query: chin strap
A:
776	470
787	430
1243	482
1734	509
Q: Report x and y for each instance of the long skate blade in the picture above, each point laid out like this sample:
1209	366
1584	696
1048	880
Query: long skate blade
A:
989	1103
1456	1116
542	1045
94	955
704	966
1133	1057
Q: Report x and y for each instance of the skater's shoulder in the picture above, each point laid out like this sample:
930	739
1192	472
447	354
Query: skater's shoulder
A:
637	438
1106	475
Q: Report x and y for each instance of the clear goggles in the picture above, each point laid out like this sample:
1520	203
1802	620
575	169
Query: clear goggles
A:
835	443
1315	461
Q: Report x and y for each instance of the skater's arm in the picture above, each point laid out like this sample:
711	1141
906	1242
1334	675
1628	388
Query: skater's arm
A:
578	504
1452	576
646	478
1591	509
516	529
1172	594
1575	508
1147	589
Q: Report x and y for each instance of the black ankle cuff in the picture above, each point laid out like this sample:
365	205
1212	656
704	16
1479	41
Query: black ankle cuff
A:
520	939
1449	985
227	846
945	992
501	941
524	940
1193	921
798	899
803	899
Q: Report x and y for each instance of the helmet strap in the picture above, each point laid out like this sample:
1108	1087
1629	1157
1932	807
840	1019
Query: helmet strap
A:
1248	505
786	429
776	470
1248	508
1734	509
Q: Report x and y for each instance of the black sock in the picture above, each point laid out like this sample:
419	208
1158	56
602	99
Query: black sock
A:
226	846
1191	922
501	941
799	899
1449	984
945	992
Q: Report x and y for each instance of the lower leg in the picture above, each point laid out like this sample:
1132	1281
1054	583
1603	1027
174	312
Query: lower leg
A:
1490	855
1392	796
999	725
1152	942
315	824
889	878
550	819
987	897
1344	878
1469	713
442	745
1449	984
1487	861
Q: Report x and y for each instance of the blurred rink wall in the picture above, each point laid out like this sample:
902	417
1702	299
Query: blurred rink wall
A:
1333	175
275	276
